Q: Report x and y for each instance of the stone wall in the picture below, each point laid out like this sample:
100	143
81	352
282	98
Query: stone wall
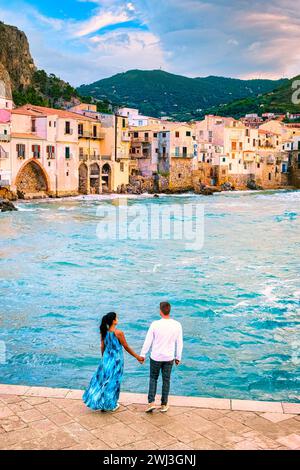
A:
202	176
294	177
180	178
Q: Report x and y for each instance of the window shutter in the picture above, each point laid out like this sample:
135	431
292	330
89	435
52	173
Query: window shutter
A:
33	148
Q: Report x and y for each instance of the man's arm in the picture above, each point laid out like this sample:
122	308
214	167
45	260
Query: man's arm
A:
148	341
179	345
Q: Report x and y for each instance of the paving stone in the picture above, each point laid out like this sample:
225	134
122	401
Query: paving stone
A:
182	433
5	411
61	418
232	425
13	389
10	398
146	444
46	392
250	405
43	426
56	440
205	444
292	441
95	420
20	406
31	415
261	440
78	432
36	400
211	415
117	435
293	408
277	417
47	409
12	423
161	438
179	446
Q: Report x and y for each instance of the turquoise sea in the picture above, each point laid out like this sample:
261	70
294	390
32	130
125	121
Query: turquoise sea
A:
238	298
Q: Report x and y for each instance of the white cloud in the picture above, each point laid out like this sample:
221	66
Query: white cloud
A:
100	21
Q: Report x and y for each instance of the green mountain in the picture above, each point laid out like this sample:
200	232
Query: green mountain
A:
158	93
278	100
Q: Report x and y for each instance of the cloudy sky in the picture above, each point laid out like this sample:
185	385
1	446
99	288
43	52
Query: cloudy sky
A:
85	40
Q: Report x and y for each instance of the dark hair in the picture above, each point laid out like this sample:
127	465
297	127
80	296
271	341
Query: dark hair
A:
165	308
106	323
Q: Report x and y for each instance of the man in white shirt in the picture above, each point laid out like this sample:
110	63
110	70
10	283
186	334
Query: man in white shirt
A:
165	337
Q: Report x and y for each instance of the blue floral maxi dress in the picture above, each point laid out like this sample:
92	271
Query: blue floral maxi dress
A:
104	389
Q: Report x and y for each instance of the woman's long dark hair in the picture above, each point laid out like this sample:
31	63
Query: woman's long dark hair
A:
106	323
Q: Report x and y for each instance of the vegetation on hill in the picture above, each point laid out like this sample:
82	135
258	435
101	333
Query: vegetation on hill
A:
157	93
279	100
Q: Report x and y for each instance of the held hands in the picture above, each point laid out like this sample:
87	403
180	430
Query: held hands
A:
177	362
141	359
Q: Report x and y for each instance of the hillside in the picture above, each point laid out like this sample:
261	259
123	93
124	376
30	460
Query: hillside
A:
157	93
278	100
28	84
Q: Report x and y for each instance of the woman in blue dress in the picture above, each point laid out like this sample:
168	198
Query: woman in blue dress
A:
104	389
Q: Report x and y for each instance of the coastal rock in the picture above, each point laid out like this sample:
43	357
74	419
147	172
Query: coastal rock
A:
209	190
7	206
251	184
227	186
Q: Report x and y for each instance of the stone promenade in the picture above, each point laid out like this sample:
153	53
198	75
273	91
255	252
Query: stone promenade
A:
48	418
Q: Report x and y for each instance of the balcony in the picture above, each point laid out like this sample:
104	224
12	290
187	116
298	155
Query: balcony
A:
182	155
5	137
140	140
91	135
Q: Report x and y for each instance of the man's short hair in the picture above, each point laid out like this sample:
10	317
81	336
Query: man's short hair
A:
165	308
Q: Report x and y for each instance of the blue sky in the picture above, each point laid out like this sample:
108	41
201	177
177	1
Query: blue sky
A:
85	40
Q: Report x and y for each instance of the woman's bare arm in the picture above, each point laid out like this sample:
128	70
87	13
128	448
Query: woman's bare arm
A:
121	337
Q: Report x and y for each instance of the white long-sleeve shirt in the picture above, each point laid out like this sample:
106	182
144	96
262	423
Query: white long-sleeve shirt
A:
165	337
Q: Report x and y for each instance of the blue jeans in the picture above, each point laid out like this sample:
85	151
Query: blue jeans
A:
166	369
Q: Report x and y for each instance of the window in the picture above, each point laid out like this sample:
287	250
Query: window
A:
270	176
230	166
247	132
67	152
50	123
36	150
176	151
164	135
49	163
224	159
298	161
188	133
80	129
21	150
54	123
135	135
299	145
94	131
67	127
233	145
177	134
146	135
179	175
123	123
33	125
241	145
184	151
50	149
156	150
258	165
67	173
254	142
122	165
155	134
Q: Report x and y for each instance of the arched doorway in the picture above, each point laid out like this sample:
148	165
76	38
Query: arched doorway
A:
94	178
31	181
106	178
83	179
